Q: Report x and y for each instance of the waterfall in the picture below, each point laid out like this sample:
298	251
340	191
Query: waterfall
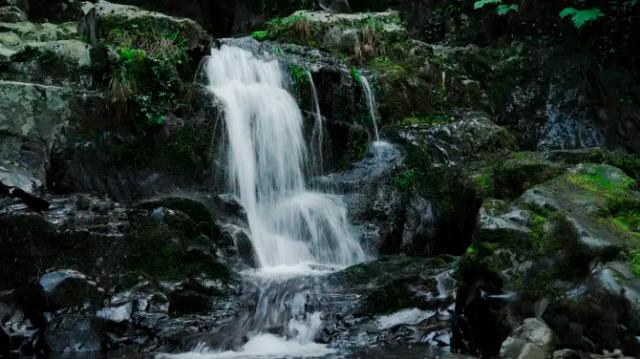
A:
371	103
297	234
290	225
318	127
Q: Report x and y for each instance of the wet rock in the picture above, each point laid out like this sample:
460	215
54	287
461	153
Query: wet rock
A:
533	339
391	300
17	330
73	333
23	186
374	206
67	288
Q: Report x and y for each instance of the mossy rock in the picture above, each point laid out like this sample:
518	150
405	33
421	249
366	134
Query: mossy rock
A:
166	245
559	227
360	35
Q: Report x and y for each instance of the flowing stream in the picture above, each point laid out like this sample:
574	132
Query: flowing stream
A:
297	234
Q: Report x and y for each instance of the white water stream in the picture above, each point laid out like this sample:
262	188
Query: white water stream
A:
373	106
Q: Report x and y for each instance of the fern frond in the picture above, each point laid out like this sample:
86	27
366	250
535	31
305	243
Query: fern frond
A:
481	3
504	9
581	17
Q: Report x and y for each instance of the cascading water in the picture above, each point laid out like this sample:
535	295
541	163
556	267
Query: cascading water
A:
296	233
371	103
289	224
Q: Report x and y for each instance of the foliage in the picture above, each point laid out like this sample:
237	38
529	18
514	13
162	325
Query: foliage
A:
356	75
504	9
260	35
481	3
404	180
577	16
146	78
300	75
581	17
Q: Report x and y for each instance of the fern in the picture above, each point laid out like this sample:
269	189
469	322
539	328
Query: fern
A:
504	9
481	3
581	17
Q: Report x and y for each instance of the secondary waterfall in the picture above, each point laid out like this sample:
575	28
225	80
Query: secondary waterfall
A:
289	224
318	126
371	103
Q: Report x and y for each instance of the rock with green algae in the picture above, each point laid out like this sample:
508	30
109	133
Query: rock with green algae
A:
508	177
358	34
549	253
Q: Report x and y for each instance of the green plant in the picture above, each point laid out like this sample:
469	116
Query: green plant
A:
260	35
355	74
504	9
581	17
146	78
300	75
404	180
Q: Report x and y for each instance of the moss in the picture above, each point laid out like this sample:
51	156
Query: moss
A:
433	119
601	180
634	261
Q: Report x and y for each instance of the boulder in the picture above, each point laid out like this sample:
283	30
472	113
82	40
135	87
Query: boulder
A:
67	288
464	137
533	339
103	17
30	118
74	333
547	251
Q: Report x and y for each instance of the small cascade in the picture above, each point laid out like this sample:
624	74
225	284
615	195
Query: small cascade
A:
318	127
371	103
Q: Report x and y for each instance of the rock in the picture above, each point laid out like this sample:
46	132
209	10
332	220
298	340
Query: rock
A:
54	11
11	14
341	32
37	32
466	137
19	329
73	333
67	288
30	118
533	339
23	186
537	254
374	206
390	300
102	17
167	245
